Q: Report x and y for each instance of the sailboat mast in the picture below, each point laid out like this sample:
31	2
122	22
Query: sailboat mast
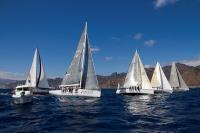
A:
83	54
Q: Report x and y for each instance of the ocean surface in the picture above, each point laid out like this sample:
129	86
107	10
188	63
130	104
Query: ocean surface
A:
177	112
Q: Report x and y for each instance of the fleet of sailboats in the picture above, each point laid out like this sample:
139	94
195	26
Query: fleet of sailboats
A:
34	84
80	79
159	81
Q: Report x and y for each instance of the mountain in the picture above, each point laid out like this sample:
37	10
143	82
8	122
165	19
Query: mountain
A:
52	82
198	67
4	83
111	80
190	74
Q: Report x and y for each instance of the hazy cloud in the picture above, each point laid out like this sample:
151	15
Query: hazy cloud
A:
150	43
108	58
195	62
162	3
12	76
137	36
147	66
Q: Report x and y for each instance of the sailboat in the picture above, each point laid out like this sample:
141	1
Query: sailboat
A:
176	80
33	85
136	81
80	79
159	81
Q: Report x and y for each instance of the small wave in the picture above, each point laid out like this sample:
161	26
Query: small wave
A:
61	99
4	94
91	100
36	98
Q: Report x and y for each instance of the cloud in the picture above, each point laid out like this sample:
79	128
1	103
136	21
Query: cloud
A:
95	49
195	62
150	43
108	58
12	76
147	66
137	36
162	3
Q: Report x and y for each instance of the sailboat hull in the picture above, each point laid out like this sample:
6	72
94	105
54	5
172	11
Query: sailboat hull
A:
40	91
22	99
76	93
180	89
134	91
162	91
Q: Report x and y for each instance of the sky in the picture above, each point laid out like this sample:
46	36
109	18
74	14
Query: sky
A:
161	30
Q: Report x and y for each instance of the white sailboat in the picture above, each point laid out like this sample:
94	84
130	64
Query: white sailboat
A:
23	93
176	80
136	81
159	81
80	79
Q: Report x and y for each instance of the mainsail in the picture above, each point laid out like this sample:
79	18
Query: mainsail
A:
176	79
136	75
81	72
74	71
159	79
32	76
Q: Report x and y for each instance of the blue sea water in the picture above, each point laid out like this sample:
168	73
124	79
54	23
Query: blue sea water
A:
177	112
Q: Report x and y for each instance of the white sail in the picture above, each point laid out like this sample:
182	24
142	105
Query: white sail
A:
156	78
89	78
159	79
166	85
130	78
32	75
145	80
81	70
136	75
176	79
43	82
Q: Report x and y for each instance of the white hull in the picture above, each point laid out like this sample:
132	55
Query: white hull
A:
23	94
181	89
39	91
163	91
134	91
78	93
22	99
